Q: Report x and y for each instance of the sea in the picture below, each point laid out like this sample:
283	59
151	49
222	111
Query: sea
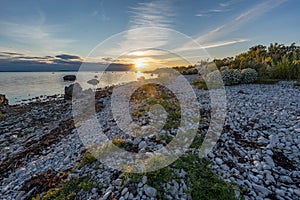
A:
19	87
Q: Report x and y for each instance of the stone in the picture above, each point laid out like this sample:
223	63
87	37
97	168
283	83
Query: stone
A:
219	161
69	78
144	180
124	191
93	81
142	145
297	192
280	192
261	189
150	191
269	161
285	179
3	100
73	89
106	195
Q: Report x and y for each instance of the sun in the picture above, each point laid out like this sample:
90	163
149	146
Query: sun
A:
140	63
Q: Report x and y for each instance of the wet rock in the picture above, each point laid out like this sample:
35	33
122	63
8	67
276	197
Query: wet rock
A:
3	100
93	81
69	78
73	89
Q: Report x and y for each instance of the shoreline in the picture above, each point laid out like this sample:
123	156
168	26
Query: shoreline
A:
262	126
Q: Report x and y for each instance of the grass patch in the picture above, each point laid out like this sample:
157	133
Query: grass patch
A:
203	183
87	159
68	190
200	85
121	143
267	81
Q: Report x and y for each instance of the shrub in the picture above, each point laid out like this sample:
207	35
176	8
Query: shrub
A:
232	76
249	75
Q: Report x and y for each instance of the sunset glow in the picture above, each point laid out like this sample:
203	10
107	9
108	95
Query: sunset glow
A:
140	63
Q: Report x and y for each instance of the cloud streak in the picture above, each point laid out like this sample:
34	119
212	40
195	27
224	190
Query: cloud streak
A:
240	20
36	36
211	12
233	25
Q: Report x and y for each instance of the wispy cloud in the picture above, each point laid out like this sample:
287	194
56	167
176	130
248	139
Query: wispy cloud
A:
100	12
229	3
147	15
240	20
233	25
42	37
211	12
223	43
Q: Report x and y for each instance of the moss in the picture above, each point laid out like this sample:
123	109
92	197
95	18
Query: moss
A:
121	143
67	191
87	158
200	85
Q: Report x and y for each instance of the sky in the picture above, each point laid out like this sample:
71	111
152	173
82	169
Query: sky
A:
142	32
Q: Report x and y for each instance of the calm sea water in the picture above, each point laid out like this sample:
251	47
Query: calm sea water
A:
26	85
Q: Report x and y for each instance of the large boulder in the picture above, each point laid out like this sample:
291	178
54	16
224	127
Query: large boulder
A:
73	89
69	78
3	100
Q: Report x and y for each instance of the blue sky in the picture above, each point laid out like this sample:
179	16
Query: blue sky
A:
223	27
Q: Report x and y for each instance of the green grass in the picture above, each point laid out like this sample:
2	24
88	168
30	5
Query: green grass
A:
202	182
200	85
68	190
87	158
121	143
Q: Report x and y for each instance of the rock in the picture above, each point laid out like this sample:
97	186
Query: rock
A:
3	100
261	189
124	191
106	195
219	161
69	78
144	180
150	191
71	90
285	179
269	161
270	178
142	145
93	81
297	192
280	192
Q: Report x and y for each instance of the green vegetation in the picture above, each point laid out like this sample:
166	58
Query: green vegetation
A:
68	190
202	182
186	70
121	143
87	158
200	84
274	62
152	94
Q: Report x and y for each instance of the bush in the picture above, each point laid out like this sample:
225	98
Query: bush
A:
232	76
249	75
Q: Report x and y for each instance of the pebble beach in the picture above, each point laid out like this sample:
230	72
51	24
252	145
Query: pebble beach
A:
258	150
